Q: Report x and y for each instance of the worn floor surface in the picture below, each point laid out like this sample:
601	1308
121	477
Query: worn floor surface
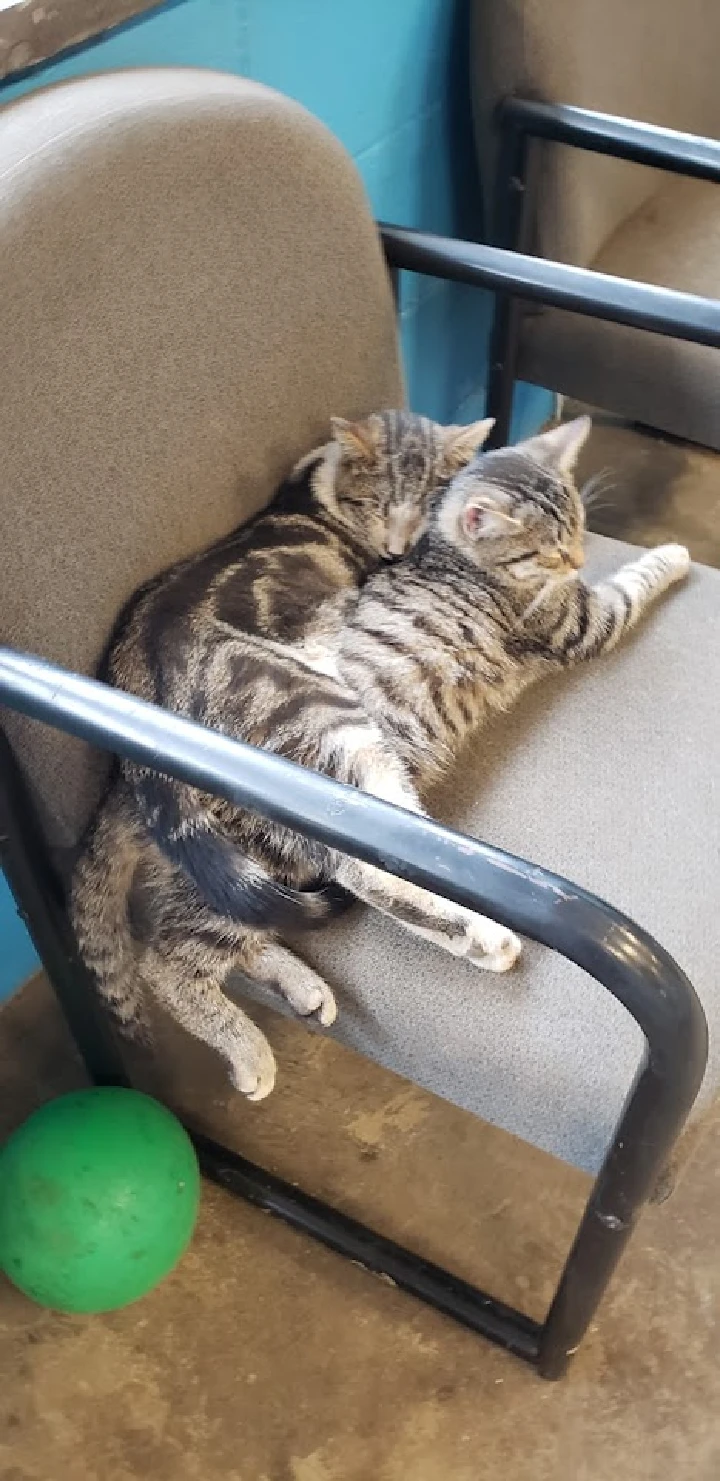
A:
266	1358
651	490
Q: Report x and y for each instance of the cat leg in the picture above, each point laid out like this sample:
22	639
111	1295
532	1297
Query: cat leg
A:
276	966
188	983
601	614
459	931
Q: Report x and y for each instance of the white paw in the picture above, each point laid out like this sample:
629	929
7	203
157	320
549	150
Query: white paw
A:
252	1067
319	999
306	992
490	946
675	559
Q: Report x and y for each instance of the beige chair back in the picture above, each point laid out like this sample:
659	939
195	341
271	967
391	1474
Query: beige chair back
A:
653	60
192	285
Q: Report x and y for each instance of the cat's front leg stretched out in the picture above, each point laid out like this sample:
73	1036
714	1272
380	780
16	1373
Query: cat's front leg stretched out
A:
603	613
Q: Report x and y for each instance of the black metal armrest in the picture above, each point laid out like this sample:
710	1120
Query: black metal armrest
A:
620	138
642	305
618	953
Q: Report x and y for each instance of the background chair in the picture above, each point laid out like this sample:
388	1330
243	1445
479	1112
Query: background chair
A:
194	285
579	189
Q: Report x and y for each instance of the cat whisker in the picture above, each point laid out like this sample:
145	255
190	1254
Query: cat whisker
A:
599	485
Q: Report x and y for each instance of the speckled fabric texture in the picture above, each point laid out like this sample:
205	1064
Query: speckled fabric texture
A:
192	285
609	776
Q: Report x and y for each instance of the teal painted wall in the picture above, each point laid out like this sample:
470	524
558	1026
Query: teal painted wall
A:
389	77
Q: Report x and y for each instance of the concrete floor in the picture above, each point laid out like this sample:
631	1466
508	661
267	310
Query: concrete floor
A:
267	1358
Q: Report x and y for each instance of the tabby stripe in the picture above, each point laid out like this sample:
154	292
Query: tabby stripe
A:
583	621
386	640
301	704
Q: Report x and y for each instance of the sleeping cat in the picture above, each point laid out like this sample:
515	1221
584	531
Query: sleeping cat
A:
489	600
221	637
255	613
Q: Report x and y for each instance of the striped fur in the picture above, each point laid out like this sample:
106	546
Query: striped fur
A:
488	600
242	637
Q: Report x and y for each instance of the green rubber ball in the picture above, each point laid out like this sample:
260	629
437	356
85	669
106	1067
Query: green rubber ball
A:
99	1194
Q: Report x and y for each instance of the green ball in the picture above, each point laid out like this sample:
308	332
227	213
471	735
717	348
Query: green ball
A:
99	1194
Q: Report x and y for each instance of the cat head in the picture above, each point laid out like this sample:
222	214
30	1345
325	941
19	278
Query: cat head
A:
518	508
379	476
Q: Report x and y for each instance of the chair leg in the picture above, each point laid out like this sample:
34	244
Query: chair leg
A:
511	224
640	1150
455	1298
643	1139
39	897
502	368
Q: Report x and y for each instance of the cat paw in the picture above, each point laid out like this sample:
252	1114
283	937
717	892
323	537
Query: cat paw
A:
252	1068
325	1006
491	947
675	560
306	992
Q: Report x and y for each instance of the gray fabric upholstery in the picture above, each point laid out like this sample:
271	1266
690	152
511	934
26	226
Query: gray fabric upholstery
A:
657	63
609	776
192	285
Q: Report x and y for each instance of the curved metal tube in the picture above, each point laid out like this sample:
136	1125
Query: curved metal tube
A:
605	943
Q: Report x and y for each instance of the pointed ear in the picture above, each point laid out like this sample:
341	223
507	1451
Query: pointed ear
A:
561	446
486	515
460	444
357	440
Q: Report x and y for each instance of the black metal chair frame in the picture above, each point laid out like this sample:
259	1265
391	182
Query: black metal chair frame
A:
613	949
520	123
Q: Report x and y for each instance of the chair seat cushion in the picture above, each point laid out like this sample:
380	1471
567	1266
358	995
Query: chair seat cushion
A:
672	240
610	776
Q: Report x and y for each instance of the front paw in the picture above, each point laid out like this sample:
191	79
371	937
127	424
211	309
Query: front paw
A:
490	946
674	560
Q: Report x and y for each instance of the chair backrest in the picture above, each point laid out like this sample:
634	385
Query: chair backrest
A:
192	285
653	60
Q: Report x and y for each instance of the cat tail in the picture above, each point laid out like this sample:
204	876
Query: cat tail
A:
100	891
230	883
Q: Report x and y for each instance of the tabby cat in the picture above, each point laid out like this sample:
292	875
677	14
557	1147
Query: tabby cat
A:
238	637
489	600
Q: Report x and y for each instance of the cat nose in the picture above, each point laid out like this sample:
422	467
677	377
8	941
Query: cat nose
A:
403	526
576	557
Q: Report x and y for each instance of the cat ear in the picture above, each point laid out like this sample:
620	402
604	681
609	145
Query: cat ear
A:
460	444
485	515
357	440
561	446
